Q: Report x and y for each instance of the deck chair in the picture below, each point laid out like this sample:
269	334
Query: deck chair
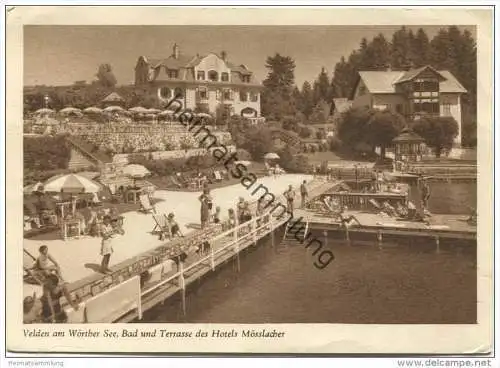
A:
146	205
375	204
175	182
28	260
161	226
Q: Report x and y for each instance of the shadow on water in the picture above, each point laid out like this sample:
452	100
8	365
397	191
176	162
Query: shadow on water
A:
365	284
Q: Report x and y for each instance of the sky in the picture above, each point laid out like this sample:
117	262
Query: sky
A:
61	55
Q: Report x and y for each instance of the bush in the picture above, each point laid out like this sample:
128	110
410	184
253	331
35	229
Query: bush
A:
46	153
293	163
305	132
243	155
334	144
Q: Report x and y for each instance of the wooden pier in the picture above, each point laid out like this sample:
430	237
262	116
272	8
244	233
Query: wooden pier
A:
157	282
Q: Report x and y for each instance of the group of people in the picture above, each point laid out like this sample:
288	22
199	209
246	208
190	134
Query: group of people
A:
48	308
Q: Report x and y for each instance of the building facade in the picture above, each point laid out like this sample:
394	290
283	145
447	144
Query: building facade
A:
203	83
413	94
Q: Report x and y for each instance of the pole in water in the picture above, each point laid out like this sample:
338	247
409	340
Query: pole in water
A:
379	239
438	248
182	285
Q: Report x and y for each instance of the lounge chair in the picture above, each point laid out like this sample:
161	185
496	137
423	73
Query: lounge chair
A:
146	205
161	226
375	204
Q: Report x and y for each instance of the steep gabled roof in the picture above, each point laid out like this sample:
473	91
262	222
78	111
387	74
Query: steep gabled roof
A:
411	74
381	82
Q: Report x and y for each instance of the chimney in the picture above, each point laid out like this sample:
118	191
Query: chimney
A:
223	55
176	51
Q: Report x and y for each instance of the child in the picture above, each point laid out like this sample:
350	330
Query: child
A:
174	227
216	215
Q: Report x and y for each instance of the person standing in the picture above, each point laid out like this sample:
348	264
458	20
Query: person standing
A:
303	194
426	194
240	209
290	198
206	207
107	234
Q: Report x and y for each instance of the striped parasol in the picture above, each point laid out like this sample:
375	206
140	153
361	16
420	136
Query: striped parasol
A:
71	183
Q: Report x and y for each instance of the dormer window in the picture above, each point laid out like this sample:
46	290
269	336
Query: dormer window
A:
174	74
224	77
213	76
200	75
245	78
362	90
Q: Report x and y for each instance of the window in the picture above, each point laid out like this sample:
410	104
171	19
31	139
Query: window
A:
426	85
399	108
243	96
203	94
213	76
179	93
165	92
245	78
173	74
227	94
254	97
446	109
224	77
426	106
362	90
200	75
217	95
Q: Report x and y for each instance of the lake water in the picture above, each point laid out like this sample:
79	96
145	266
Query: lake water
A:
362	285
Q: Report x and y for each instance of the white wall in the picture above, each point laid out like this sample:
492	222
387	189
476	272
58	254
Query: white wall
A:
452	99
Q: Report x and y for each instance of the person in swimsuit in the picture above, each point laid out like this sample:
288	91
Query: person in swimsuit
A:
44	260
348	220
51	305
240	208
290	197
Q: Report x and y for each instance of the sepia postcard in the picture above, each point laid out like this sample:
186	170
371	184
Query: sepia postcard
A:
249	180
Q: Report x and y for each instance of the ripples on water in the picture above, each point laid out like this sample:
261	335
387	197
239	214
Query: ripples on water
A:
363	284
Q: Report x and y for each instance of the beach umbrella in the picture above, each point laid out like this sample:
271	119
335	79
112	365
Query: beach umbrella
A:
71	183
32	188
45	120
204	115
271	156
244	163
138	110
135	171
92	110
113	109
166	113
70	110
44	111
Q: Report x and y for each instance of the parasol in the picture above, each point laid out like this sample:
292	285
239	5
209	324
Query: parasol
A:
271	156
71	183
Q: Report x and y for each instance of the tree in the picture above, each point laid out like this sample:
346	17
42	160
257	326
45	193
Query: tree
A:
400	50
105	76
320	113
306	99
290	123
421	49
258	142
322	88
222	114
382	128
438	132
305	132
352	126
